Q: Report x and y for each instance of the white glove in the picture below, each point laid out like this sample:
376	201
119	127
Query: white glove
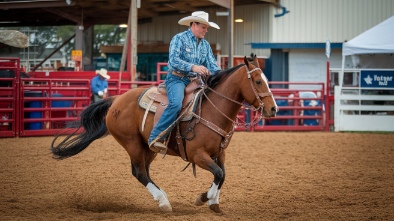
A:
100	93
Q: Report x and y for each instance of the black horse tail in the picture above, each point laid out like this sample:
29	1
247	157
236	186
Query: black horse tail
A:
92	120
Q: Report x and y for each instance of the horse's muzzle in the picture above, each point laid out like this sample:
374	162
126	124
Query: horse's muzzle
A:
272	112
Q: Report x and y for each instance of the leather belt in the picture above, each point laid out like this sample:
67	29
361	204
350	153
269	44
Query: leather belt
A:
178	74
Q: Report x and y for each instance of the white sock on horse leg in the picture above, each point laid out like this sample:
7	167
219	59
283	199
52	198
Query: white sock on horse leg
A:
159	196
156	193
215	200
212	191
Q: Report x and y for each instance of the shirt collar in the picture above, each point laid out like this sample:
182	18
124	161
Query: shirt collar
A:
191	35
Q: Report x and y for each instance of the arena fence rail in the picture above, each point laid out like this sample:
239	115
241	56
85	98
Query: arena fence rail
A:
47	102
9	84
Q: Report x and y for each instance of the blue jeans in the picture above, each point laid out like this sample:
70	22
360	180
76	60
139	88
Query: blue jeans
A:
96	98
175	91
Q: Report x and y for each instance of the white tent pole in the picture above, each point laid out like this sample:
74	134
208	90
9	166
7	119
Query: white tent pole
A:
341	73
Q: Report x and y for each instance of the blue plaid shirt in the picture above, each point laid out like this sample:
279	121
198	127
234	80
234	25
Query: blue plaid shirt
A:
184	52
98	85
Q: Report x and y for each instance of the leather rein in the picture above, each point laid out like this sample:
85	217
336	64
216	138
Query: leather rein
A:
223	133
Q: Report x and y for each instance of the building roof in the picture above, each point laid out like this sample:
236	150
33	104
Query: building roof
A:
91	12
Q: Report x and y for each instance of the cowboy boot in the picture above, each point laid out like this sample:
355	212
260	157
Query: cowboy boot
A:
158	146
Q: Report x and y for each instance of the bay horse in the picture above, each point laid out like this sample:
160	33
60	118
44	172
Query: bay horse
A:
223	96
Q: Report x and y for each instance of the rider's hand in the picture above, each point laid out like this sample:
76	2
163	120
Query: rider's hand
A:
201	70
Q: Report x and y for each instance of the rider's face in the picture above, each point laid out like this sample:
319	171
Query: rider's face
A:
199	30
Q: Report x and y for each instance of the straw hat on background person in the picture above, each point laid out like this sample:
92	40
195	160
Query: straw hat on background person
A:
103	73
198	16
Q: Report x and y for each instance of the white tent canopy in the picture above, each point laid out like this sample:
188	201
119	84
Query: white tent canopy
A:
377	40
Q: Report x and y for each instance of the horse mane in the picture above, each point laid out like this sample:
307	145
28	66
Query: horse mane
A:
215	79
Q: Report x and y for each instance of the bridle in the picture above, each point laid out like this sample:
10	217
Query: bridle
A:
258	96
227	135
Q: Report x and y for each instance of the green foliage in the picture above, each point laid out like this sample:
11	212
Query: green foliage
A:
107	35
64	33
54	36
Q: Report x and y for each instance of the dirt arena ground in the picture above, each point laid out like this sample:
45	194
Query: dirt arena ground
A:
270	176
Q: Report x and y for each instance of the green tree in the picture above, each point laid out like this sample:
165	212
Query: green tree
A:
107	35
44	37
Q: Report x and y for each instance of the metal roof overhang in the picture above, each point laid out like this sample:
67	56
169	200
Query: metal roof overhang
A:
23	13
318	45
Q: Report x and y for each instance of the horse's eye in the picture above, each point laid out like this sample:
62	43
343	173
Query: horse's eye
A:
258	81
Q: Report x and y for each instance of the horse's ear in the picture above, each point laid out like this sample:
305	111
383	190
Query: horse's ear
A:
255	61
246	61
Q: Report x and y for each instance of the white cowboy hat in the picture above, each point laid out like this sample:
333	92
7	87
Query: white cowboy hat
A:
103	73
198	16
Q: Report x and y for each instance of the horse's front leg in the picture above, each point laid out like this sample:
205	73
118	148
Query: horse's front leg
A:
212	195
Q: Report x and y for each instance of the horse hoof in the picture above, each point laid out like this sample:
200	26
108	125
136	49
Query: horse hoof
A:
201	199
199	202
215	208
165	208
163	203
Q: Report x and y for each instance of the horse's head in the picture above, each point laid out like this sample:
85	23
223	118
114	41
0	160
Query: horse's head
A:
257	92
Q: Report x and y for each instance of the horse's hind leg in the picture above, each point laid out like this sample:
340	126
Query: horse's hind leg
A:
141	173
123	123
212	195
140	161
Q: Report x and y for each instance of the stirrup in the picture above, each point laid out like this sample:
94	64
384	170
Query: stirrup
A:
157	147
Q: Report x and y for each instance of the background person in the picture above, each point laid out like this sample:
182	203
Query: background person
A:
99	85
189	52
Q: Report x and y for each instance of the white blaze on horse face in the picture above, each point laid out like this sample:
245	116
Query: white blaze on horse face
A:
269	89
265	80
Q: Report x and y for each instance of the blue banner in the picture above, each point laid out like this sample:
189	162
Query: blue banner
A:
377	78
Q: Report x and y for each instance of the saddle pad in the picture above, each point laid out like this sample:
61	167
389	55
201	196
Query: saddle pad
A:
144	99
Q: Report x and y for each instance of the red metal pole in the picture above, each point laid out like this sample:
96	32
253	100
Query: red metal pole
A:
328	109
16	112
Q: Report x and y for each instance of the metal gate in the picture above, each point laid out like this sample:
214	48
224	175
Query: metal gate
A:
301	108
365	102
46	105
9	83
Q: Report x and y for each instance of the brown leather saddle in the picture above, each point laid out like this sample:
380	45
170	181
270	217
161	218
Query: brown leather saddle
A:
154	99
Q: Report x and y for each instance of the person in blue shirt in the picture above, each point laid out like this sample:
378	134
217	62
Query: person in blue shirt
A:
189	52
99	85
